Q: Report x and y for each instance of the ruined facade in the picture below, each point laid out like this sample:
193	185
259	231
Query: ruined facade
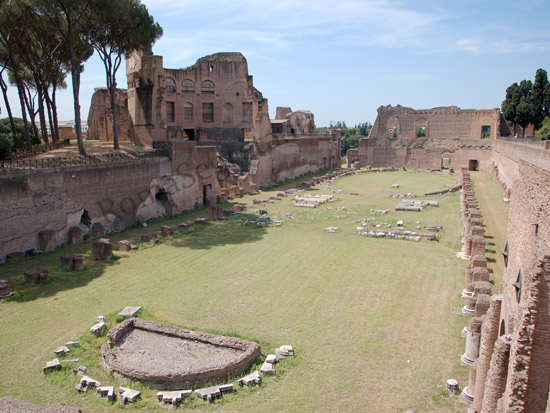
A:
214	138
100	117
287	122
449	122
430	138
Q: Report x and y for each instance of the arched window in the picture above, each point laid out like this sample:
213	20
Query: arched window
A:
170	85
207	86
188	112
227	113
188	86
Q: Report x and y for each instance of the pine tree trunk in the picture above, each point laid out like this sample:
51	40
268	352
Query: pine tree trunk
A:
112	91
54	112
42	115
50	116
4	88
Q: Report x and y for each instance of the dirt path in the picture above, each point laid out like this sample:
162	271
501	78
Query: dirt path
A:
495	216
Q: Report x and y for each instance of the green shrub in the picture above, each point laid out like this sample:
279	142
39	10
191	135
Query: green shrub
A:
6	144
544	132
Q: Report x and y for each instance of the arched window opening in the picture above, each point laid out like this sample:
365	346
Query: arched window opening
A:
188	86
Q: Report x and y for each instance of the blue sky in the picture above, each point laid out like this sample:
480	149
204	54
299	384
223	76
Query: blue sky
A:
343	59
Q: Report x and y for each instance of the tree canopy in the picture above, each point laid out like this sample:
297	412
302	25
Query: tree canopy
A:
528	103
41	41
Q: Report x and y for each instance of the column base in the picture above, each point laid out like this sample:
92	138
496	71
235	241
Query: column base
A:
465	397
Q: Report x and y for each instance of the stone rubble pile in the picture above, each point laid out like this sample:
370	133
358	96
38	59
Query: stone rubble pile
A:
312	201
417	206
127	245
408	195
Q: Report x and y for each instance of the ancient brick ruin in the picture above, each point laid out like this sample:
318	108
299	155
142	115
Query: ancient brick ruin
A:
430	138
507	343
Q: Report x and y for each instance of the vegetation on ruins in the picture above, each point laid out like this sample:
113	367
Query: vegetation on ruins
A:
117	29
41	41
351	136
528	103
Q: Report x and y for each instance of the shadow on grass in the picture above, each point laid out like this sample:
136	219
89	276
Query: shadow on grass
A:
59	280
201	237
220	233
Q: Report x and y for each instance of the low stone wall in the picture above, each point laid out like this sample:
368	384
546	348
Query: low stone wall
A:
189	377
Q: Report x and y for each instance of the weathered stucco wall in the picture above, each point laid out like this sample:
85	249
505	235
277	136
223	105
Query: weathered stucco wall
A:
295	157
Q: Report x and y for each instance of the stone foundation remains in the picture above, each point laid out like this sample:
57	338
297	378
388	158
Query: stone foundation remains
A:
168	357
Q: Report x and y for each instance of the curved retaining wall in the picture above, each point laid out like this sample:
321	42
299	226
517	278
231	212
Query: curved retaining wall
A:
190	378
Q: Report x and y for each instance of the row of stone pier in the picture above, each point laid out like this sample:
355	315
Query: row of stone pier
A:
485	352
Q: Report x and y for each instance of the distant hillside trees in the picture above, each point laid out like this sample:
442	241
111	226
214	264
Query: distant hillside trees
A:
528	103
41	41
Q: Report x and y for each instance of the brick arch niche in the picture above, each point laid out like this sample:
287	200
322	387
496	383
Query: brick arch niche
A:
421	128
170	85
393	125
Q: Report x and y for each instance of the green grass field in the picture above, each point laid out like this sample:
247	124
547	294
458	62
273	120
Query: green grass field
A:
375	323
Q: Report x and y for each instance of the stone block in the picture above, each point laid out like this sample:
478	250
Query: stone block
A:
81	371
89	382
129	312
72	262
185	226
37	276
271	359
74	344
127	245
226	388
98	329
61	350
150	237
201	221
174	397
106	391
102	250
52	365
209	393
128	395
284	352
237	208
168	230
253	379
75	235
5	290
267	368
15	256
46	239
97	230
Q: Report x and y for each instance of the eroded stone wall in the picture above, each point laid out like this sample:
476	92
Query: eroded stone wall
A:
100	116
439	123
421	153
50	202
